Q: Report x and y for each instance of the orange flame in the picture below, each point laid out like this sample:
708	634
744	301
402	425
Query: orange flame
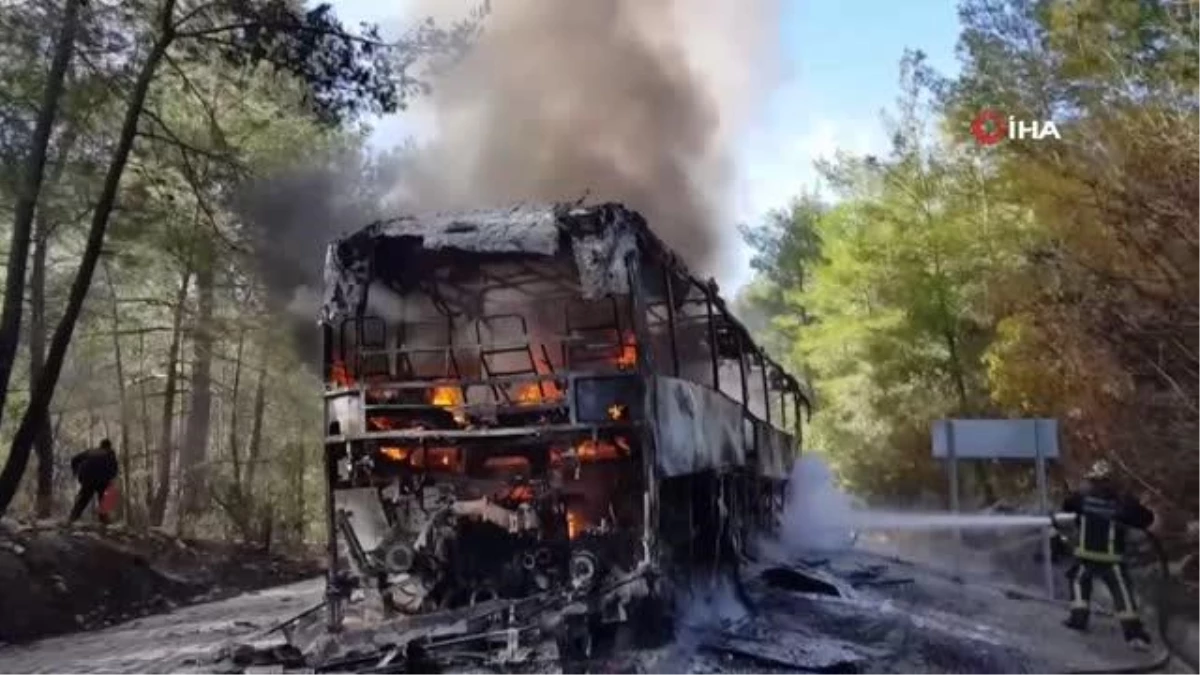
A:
340	375
616	412
627	359
574	524
450	398
381	423
533	393
509	462
519	493
395	454
440	457
446	397
589	450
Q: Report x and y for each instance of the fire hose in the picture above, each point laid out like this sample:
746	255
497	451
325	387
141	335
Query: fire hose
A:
1162	617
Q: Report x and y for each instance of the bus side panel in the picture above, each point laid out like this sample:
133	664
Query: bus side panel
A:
699	429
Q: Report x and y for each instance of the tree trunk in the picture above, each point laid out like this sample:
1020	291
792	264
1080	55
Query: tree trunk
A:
158	506
256	430
33	172
122	397
39	403
43	230
37	356
983	478
234	454
239	498
301	521
192	464
147	454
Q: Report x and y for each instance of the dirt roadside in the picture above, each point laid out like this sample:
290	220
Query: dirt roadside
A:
57	579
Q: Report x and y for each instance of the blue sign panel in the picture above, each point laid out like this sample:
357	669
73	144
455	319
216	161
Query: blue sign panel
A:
996	439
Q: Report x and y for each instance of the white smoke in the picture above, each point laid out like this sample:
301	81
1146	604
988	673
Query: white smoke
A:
818	515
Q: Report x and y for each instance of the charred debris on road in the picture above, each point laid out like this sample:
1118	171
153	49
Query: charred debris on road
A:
539	425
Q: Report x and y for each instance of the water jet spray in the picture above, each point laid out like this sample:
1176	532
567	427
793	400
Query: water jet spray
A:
867	520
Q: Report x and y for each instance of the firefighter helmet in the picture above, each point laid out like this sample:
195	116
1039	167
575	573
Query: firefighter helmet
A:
1100	470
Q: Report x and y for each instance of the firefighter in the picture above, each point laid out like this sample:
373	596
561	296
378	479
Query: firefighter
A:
1103	514
95	469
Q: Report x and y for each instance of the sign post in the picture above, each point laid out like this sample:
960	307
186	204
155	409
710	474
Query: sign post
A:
1022	439
1044	507
952	453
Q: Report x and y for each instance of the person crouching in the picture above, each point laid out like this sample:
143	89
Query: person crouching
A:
95	469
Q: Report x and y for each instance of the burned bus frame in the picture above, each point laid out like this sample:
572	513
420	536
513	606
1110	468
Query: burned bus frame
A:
646	372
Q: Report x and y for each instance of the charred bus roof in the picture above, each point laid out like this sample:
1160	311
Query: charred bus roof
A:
596	241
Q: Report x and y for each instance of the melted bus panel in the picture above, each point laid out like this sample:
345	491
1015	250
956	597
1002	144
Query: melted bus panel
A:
536	401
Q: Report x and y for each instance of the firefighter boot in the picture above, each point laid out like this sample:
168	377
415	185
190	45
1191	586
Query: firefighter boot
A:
1135	635
1078	620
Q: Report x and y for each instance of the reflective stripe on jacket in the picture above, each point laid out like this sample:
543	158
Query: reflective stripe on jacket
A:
1103	517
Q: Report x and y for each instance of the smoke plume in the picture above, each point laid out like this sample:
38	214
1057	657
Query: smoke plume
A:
637	101
291	217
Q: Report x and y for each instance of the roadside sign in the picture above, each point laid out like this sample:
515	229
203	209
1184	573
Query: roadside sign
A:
996	439
1033	440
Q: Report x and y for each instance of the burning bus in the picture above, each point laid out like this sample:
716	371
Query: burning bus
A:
538	403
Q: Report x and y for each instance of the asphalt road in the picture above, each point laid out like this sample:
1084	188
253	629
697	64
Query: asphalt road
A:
892	617
179	641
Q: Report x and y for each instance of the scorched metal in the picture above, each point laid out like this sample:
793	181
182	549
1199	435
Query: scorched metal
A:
537	403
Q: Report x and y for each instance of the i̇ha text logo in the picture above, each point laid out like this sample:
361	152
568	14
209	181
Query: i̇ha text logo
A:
991	126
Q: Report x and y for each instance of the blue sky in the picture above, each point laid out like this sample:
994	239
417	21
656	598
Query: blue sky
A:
841	67
842	59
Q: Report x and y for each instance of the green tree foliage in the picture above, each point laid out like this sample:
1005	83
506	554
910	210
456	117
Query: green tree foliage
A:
787	249
1052	278
890	315
1100	324
172	348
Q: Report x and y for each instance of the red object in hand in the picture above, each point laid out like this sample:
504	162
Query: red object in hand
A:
108	500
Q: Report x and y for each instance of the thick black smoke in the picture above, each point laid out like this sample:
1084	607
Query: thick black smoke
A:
291	217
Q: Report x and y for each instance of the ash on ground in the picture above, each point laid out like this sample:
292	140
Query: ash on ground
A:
849	611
